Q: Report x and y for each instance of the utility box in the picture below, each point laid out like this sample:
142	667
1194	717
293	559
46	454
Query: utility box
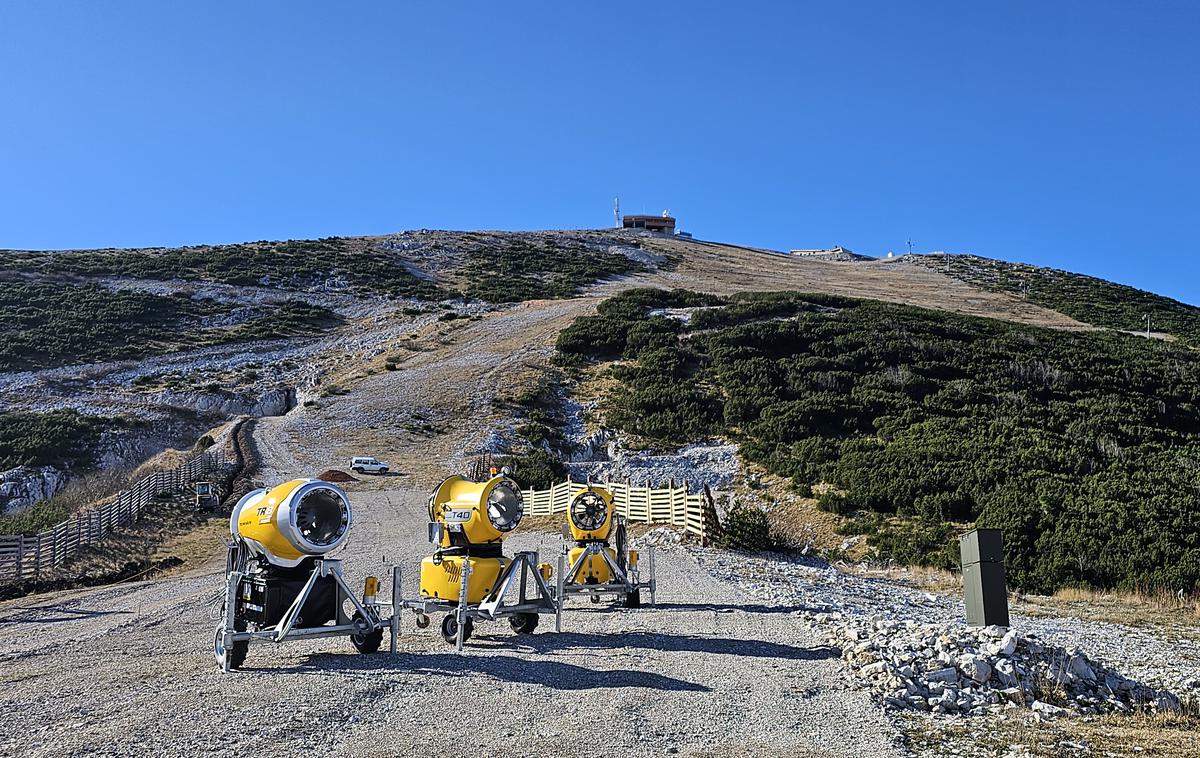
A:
986	594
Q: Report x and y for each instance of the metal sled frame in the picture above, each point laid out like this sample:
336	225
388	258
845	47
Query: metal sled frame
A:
519	571
626	582
283	630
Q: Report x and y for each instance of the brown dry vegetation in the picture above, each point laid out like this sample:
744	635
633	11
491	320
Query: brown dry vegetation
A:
725	269
1138	735
1135	608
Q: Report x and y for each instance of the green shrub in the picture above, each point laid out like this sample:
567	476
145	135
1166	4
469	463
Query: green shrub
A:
1084	447
535	469
1085	298
746	528
529	270
53	324
312	265
62	438
831	501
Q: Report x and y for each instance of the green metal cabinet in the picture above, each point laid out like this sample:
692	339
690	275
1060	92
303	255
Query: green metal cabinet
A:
986	595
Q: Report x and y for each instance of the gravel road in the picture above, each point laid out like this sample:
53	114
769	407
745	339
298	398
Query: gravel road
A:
128	670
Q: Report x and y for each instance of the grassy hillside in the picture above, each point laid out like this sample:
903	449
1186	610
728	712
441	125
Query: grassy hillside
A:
45	324
1083	298
1083	447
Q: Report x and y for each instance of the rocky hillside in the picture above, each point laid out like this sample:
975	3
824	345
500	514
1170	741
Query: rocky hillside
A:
1086	298
148	348
465	346
144	349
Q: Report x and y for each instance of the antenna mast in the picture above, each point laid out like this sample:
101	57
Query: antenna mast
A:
617	212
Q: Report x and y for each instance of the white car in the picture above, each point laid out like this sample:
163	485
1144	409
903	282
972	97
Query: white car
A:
365	464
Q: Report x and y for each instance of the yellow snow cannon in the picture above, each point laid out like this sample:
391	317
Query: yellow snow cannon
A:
600	561
468	574
280	582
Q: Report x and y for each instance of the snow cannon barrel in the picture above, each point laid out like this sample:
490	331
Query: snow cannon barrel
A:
475	513
296	520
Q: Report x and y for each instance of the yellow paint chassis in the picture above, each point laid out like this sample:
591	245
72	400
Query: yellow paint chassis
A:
442	580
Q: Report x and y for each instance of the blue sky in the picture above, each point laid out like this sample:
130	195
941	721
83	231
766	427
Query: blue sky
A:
1061	134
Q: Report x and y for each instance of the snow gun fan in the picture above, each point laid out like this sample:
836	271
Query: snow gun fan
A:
468	574
600	561
280	584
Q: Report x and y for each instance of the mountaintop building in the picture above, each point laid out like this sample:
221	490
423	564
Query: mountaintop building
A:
664	224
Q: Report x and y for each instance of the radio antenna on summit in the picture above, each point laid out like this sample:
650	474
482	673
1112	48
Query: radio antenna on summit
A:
617	212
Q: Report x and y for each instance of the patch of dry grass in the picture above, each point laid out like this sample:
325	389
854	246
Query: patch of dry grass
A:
1022	734
1140	608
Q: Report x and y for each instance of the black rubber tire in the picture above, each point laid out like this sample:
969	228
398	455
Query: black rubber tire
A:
450	629
357	470
237	653
383	471
622	546
634	599
366	643
523	623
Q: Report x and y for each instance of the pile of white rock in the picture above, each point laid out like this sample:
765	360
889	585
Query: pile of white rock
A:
660	537
974	671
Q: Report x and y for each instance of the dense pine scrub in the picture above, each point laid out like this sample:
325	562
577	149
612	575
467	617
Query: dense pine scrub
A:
1083	298
528	271
1083	447
45	324
306	265
537	461
62	438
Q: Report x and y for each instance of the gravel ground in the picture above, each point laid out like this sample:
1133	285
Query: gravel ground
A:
1162	657
128	670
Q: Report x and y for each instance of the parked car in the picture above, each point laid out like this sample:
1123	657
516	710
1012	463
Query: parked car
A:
365	464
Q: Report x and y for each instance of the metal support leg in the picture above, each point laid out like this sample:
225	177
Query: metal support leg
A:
285	624
653	579
235	580
460	613
560	597
395	606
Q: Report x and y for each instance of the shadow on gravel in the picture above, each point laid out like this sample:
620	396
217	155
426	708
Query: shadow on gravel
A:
552	674
677	642
38	614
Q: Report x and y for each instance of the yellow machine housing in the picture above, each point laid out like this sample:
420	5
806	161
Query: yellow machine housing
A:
442	579
473	518
293	521
593	570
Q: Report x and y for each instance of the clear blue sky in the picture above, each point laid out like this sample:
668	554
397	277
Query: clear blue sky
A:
1061	134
